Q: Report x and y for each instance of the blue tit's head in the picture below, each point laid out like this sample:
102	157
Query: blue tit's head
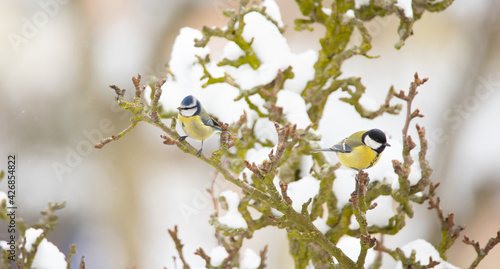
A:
375	139
190	106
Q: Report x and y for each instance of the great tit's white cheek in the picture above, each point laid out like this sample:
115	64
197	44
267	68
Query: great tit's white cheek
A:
188	112
372	143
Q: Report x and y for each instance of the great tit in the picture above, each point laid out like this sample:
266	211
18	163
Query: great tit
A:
361	150
195	121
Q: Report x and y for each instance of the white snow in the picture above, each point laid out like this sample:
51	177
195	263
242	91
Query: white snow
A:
3	196
47	255
217	256
303	70
350	14
327	11
320	223
276	213
351	247
359	3
256	155
273	10
424	250
268	43
294	108
250	259
274	54
369	103
344	185
183	60
406	6
305	165
231	51
265	130
184	65
233	218
381	214
300	191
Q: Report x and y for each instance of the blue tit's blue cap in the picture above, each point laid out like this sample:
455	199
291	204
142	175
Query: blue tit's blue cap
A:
188	101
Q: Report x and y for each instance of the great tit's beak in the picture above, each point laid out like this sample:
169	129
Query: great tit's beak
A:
387	144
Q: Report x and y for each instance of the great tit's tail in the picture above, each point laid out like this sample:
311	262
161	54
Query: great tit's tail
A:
320	150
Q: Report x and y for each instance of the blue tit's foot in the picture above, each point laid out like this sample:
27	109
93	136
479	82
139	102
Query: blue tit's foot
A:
182	138
199	152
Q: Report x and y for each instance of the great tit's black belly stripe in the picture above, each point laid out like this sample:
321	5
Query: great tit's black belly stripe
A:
374	160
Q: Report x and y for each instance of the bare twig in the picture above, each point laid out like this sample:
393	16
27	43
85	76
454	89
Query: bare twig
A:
137	84
178	246
481	253
358	199
200	252
403	170
450	232
106	140
263	253
82	263
154	103
284	188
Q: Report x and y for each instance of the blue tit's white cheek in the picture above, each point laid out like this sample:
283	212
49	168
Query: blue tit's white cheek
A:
372	143
188	112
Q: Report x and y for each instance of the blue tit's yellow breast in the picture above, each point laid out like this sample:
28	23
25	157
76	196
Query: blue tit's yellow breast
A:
194	127
360	158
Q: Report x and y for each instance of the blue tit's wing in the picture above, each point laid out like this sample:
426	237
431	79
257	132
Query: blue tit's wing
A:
209	121
212	123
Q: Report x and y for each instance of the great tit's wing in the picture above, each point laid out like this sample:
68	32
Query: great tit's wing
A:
347	144
341	147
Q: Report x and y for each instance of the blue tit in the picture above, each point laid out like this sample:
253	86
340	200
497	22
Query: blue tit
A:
361	150
195	121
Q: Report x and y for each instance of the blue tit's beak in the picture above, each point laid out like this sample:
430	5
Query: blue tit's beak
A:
179	108
387	144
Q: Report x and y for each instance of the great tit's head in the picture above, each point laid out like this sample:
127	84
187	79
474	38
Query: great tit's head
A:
375	139
190	106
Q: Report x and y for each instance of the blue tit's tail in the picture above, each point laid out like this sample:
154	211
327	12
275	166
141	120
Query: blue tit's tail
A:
219	130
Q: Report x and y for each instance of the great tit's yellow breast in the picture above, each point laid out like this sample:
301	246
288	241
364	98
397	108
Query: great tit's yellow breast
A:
194	127
360	157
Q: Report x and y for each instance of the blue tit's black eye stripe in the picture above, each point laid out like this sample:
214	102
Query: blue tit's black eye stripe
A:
186	108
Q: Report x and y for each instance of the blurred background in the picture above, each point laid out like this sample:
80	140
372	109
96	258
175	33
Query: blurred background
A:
58	58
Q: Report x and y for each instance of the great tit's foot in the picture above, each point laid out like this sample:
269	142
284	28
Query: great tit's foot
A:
182	138
199	152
